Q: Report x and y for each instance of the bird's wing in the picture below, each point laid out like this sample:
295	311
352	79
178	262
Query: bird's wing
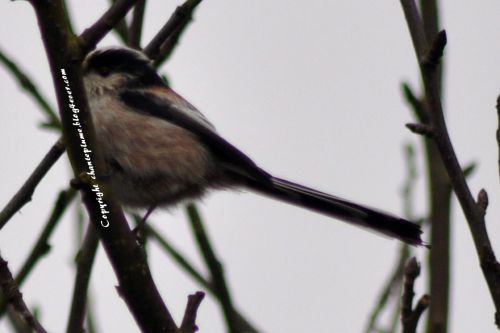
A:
175	110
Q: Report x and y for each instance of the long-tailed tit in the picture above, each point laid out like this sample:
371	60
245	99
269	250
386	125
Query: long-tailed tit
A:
161	150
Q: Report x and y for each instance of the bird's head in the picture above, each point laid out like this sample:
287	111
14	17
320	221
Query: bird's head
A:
109	69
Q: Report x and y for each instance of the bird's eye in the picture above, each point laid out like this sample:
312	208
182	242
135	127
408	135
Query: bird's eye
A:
104	70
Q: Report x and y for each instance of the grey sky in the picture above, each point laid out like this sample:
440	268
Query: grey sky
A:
310	90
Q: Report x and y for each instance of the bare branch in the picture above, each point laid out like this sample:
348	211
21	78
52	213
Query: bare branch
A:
433	57
391	287
412	271
422	305
168	47
416	104
24	194
178	257
469	169
416	27
179	19
42	247
421	129
14	297
189	321
65	56
393	284
472	211
135	28
84	262
243	324
409	316
92	35
90	322
440	190
214	265
31	89
120	28
430	19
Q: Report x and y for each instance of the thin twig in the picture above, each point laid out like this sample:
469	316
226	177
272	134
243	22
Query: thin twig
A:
179	19
440	193
409	316
168	47
92	35
472	212
31	89
415	24
395	316
14	297
214	266
394	282
135	28
189	321
178	257
440	190
417	106
421	129
391	288
243	324
84	262
91	324
42	247
26	191
411	272
430	20
120	27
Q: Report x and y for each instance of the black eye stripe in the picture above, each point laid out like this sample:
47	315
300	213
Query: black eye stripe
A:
103	70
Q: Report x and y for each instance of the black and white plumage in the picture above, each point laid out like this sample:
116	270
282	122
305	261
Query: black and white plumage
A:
162	150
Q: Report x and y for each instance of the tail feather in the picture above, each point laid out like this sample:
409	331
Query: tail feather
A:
330	205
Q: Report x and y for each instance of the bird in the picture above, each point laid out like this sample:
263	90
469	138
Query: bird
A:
161	150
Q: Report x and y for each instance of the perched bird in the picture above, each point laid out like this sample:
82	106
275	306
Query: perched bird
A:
161	149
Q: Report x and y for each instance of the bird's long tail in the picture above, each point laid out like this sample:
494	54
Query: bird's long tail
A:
296	194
